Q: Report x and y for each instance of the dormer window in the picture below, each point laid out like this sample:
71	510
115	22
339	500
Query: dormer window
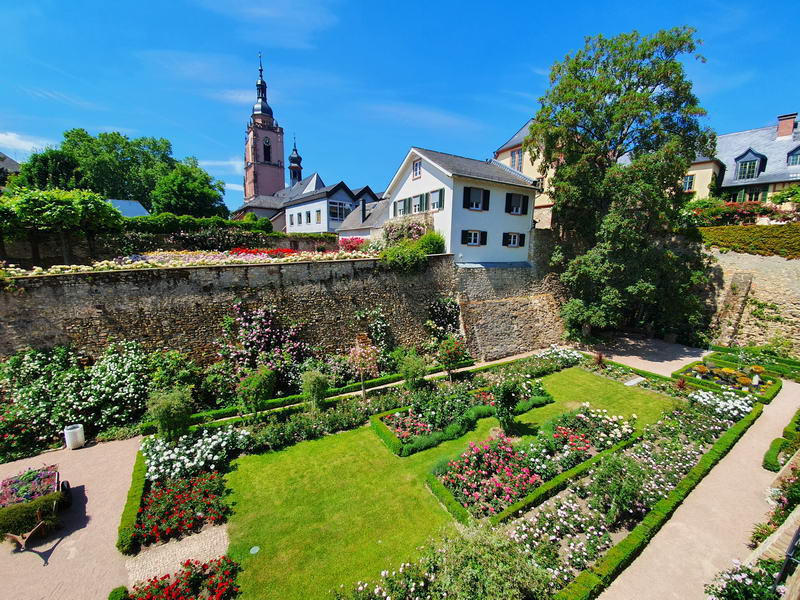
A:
747	169
750	164
416	169
794	158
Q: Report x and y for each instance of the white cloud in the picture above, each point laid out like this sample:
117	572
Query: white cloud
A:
61	98
281	23
241	97
236	187
543	72
204	67
420	116
232	166
16	142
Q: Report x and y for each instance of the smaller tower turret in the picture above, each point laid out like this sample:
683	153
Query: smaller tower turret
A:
295	165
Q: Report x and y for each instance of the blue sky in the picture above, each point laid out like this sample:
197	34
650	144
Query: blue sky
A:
357	82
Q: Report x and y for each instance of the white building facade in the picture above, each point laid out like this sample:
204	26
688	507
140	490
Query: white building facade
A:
483	209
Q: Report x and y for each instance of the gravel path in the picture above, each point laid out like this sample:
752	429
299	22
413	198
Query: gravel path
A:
712	527
168	558
79	561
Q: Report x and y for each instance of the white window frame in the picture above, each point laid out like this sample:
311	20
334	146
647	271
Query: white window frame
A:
473	193
745	167
516	209
318	217
515	237
437	203
416	169
474	237
794	160
308	217
401	207
688	183
338	211
416	204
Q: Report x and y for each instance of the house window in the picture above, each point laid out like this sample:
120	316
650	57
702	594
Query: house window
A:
416	169
516	159
418	204
308	216
267	150
688	183
299	218
514	240
437	200
794	158
318	217
517	204
747	169
476	198
470	237
291	219
338	211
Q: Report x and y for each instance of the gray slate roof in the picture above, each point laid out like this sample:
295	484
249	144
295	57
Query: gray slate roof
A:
309	185
517	138
8	163
375	210
489	170
128	208
763	141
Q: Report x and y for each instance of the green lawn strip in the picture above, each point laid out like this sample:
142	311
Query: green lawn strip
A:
343	508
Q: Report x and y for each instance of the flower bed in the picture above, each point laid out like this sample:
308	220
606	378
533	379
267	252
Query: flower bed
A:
212	580
185	258
750	379
29	485
204	450
786	497
747	582
180	506
493	475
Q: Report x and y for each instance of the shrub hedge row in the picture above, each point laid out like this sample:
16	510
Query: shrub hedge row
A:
770	461
558	483
607	568
789	362
453	431
787	368
765	397
765	240
21	518
126	542
447	499
208	416
170	223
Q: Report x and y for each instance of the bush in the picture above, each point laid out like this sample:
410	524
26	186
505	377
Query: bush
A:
412	368
450	352
315	388
210	579
171	410
254	391
505	396
120	593
405	257
126	540
431	243
766	240
350	244
172	369
771	462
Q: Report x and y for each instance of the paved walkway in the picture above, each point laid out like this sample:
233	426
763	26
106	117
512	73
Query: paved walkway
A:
712	527
79	561
651	355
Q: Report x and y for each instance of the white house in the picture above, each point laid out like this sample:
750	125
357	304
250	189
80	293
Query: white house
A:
484	209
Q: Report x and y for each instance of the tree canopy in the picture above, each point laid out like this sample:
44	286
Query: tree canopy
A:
617	129
189	190
116	166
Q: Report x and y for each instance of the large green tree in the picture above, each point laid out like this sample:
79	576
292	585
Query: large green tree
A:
189	190
617	129
617	98
49	169
45	211
95	215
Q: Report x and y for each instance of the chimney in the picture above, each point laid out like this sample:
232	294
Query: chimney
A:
786	124
363	209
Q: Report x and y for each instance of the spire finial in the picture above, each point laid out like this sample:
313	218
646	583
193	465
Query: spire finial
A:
294	139
260	67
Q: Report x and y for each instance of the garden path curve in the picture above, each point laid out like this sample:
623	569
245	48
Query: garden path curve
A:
712	527
79	561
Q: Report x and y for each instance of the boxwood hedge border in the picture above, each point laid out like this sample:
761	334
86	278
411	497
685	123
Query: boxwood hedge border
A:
126	543
617	559
790	369
765	398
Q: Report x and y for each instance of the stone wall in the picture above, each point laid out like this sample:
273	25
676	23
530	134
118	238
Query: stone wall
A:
507	310
772	306
182	308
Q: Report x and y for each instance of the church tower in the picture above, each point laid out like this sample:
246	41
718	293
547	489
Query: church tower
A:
263	152
295	166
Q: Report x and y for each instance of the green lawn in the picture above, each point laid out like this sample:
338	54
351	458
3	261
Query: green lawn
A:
343	508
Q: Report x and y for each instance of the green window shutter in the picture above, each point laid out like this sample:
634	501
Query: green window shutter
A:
426	201
466	196
485	199
441	199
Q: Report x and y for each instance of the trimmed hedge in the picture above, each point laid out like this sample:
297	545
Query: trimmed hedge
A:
765	240
455	430
789	362
119	593
127	522
765	397
608	567
770	461
784	367
558	483
21	518
586	586
227	412
444	496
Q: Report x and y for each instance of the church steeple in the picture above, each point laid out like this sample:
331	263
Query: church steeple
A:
261	107
295	166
